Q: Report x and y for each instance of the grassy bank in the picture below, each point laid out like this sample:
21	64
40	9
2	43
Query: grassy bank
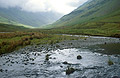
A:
108	32
16	40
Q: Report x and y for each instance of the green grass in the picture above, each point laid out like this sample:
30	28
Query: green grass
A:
15	40
110	62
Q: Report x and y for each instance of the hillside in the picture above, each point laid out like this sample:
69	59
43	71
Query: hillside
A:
96	17
27	18
90	11
10	28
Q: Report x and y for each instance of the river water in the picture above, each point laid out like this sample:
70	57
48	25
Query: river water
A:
30	62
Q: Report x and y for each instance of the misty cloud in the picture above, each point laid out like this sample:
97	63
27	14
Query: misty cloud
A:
61	6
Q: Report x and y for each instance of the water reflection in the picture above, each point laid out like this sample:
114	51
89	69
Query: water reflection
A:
33	64
89	58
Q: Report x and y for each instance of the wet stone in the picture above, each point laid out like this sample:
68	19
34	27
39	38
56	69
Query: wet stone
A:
1	70
79	57
32	63
61	66
65	62
69	71
25	64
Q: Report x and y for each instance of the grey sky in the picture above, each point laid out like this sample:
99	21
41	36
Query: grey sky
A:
60	6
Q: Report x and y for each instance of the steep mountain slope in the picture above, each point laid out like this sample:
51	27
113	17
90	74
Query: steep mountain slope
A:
28	18
91	11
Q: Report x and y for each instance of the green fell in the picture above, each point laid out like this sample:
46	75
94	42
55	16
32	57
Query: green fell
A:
96	17
4	27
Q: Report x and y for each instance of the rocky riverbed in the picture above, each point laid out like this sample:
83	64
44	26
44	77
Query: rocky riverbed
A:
30	62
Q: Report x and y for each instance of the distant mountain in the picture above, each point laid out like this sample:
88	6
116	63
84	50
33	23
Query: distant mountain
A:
95	17
38	19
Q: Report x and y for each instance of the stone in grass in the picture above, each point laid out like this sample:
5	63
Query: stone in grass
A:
110	62
69	70
79	57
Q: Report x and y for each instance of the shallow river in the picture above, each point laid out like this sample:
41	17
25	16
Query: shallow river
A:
30	62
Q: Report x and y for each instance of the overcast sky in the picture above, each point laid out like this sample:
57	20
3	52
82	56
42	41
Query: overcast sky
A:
60	6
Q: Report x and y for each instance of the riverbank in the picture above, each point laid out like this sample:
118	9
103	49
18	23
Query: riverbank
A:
15	40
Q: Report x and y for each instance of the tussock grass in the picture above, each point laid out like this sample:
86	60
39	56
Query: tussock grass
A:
16	40
110	62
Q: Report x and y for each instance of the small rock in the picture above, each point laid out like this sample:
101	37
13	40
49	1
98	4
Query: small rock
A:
54	58
57	46
38	54
65	62
79	57
1	70
25	64
6	70
69	71
12	62
32	63
105	43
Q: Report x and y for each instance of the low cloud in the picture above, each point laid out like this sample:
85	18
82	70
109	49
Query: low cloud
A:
60	6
